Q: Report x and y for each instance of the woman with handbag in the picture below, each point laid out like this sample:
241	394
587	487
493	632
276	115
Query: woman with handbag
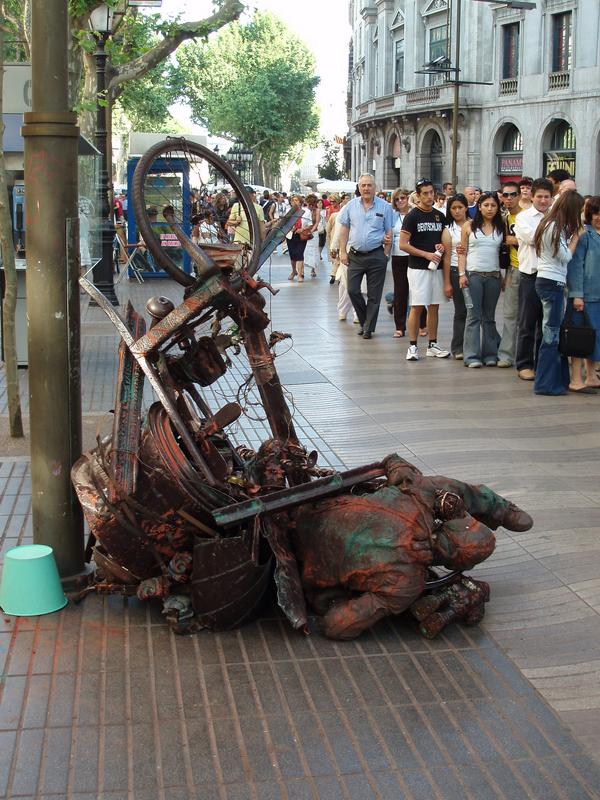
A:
583	282
555	241
481	239
296	242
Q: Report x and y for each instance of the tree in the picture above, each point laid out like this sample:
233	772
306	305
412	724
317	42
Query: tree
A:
139	48
254	82
330	167
9	305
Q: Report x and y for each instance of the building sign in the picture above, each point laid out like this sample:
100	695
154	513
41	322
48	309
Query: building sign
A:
509	163
558	159
16	89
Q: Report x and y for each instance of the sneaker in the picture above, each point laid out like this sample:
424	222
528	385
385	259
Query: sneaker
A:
474	365
458	356
504	364
355	322
491	362
412	354
435	351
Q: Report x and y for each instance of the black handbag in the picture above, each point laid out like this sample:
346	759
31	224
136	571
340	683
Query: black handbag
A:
576	341
504	256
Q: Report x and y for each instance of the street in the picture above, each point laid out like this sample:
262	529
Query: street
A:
101	700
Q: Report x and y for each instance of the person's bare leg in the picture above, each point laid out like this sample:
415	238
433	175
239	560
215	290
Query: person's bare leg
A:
413	323
576	373
293	273
432	322
591	379
300	270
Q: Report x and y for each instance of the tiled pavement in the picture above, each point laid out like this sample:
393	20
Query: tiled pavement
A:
100	700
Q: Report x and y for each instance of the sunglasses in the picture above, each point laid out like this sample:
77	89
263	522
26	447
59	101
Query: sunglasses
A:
510	194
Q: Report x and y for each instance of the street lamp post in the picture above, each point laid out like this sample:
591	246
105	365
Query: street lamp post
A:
51	133
101	20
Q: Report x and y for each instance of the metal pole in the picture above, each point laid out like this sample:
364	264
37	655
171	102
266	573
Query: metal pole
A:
456	92
51	138
103	271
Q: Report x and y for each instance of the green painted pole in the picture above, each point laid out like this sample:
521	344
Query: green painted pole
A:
51	138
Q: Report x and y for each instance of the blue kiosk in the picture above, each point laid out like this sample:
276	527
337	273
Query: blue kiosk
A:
167	183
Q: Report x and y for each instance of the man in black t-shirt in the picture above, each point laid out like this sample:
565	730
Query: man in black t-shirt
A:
424	237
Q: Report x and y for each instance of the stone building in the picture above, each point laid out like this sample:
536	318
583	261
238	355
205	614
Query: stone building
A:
535	106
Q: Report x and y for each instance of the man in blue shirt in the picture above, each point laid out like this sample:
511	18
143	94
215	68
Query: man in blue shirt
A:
365	236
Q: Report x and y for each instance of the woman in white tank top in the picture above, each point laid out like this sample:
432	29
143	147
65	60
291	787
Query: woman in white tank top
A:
479	271
456	217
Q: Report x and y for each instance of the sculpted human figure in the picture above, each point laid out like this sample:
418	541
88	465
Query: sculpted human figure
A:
363	557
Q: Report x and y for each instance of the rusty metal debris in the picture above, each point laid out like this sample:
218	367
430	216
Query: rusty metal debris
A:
180	512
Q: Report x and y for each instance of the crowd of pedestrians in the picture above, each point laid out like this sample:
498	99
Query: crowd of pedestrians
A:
533	245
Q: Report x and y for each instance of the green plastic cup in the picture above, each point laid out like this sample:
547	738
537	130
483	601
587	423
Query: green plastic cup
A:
30	584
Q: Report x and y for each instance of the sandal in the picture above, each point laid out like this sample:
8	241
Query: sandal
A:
313	273
292	276
398	334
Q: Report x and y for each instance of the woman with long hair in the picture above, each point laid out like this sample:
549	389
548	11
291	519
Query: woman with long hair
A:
583	281
456	216
310	221
555	241
479	271
296	245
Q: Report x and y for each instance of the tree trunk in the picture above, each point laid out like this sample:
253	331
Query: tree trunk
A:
9	305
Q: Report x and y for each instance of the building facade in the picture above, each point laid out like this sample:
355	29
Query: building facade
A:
528	90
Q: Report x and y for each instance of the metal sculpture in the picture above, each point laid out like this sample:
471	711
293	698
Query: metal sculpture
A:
179	512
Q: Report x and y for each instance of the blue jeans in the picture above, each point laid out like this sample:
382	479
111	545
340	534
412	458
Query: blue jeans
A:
481	336
552	369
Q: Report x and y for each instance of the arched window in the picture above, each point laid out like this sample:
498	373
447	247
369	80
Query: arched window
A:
563	137
433	158
562	151
512	141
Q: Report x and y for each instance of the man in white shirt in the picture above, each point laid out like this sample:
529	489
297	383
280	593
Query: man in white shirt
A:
530	306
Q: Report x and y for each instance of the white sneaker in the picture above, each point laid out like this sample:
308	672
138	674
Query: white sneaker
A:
412	354
435	351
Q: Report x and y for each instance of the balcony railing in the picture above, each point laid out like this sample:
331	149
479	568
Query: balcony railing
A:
423	96
509	86
559	80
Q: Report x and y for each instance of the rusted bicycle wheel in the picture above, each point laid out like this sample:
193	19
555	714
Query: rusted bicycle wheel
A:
165	159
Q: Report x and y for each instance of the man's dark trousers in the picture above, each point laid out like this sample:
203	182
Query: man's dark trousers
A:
373	265
529	330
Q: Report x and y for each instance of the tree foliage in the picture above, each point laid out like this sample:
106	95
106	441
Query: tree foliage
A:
330	168
144	101
254	82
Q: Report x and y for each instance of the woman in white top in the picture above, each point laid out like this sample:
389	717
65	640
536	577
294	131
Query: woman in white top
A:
479	270
555	241
401	207
310	220
456	216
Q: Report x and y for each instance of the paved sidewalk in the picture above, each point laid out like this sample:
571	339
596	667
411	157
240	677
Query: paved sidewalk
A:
102	701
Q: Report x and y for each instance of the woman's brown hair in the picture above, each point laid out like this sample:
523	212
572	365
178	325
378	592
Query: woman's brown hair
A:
397	193
591	207
566	216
